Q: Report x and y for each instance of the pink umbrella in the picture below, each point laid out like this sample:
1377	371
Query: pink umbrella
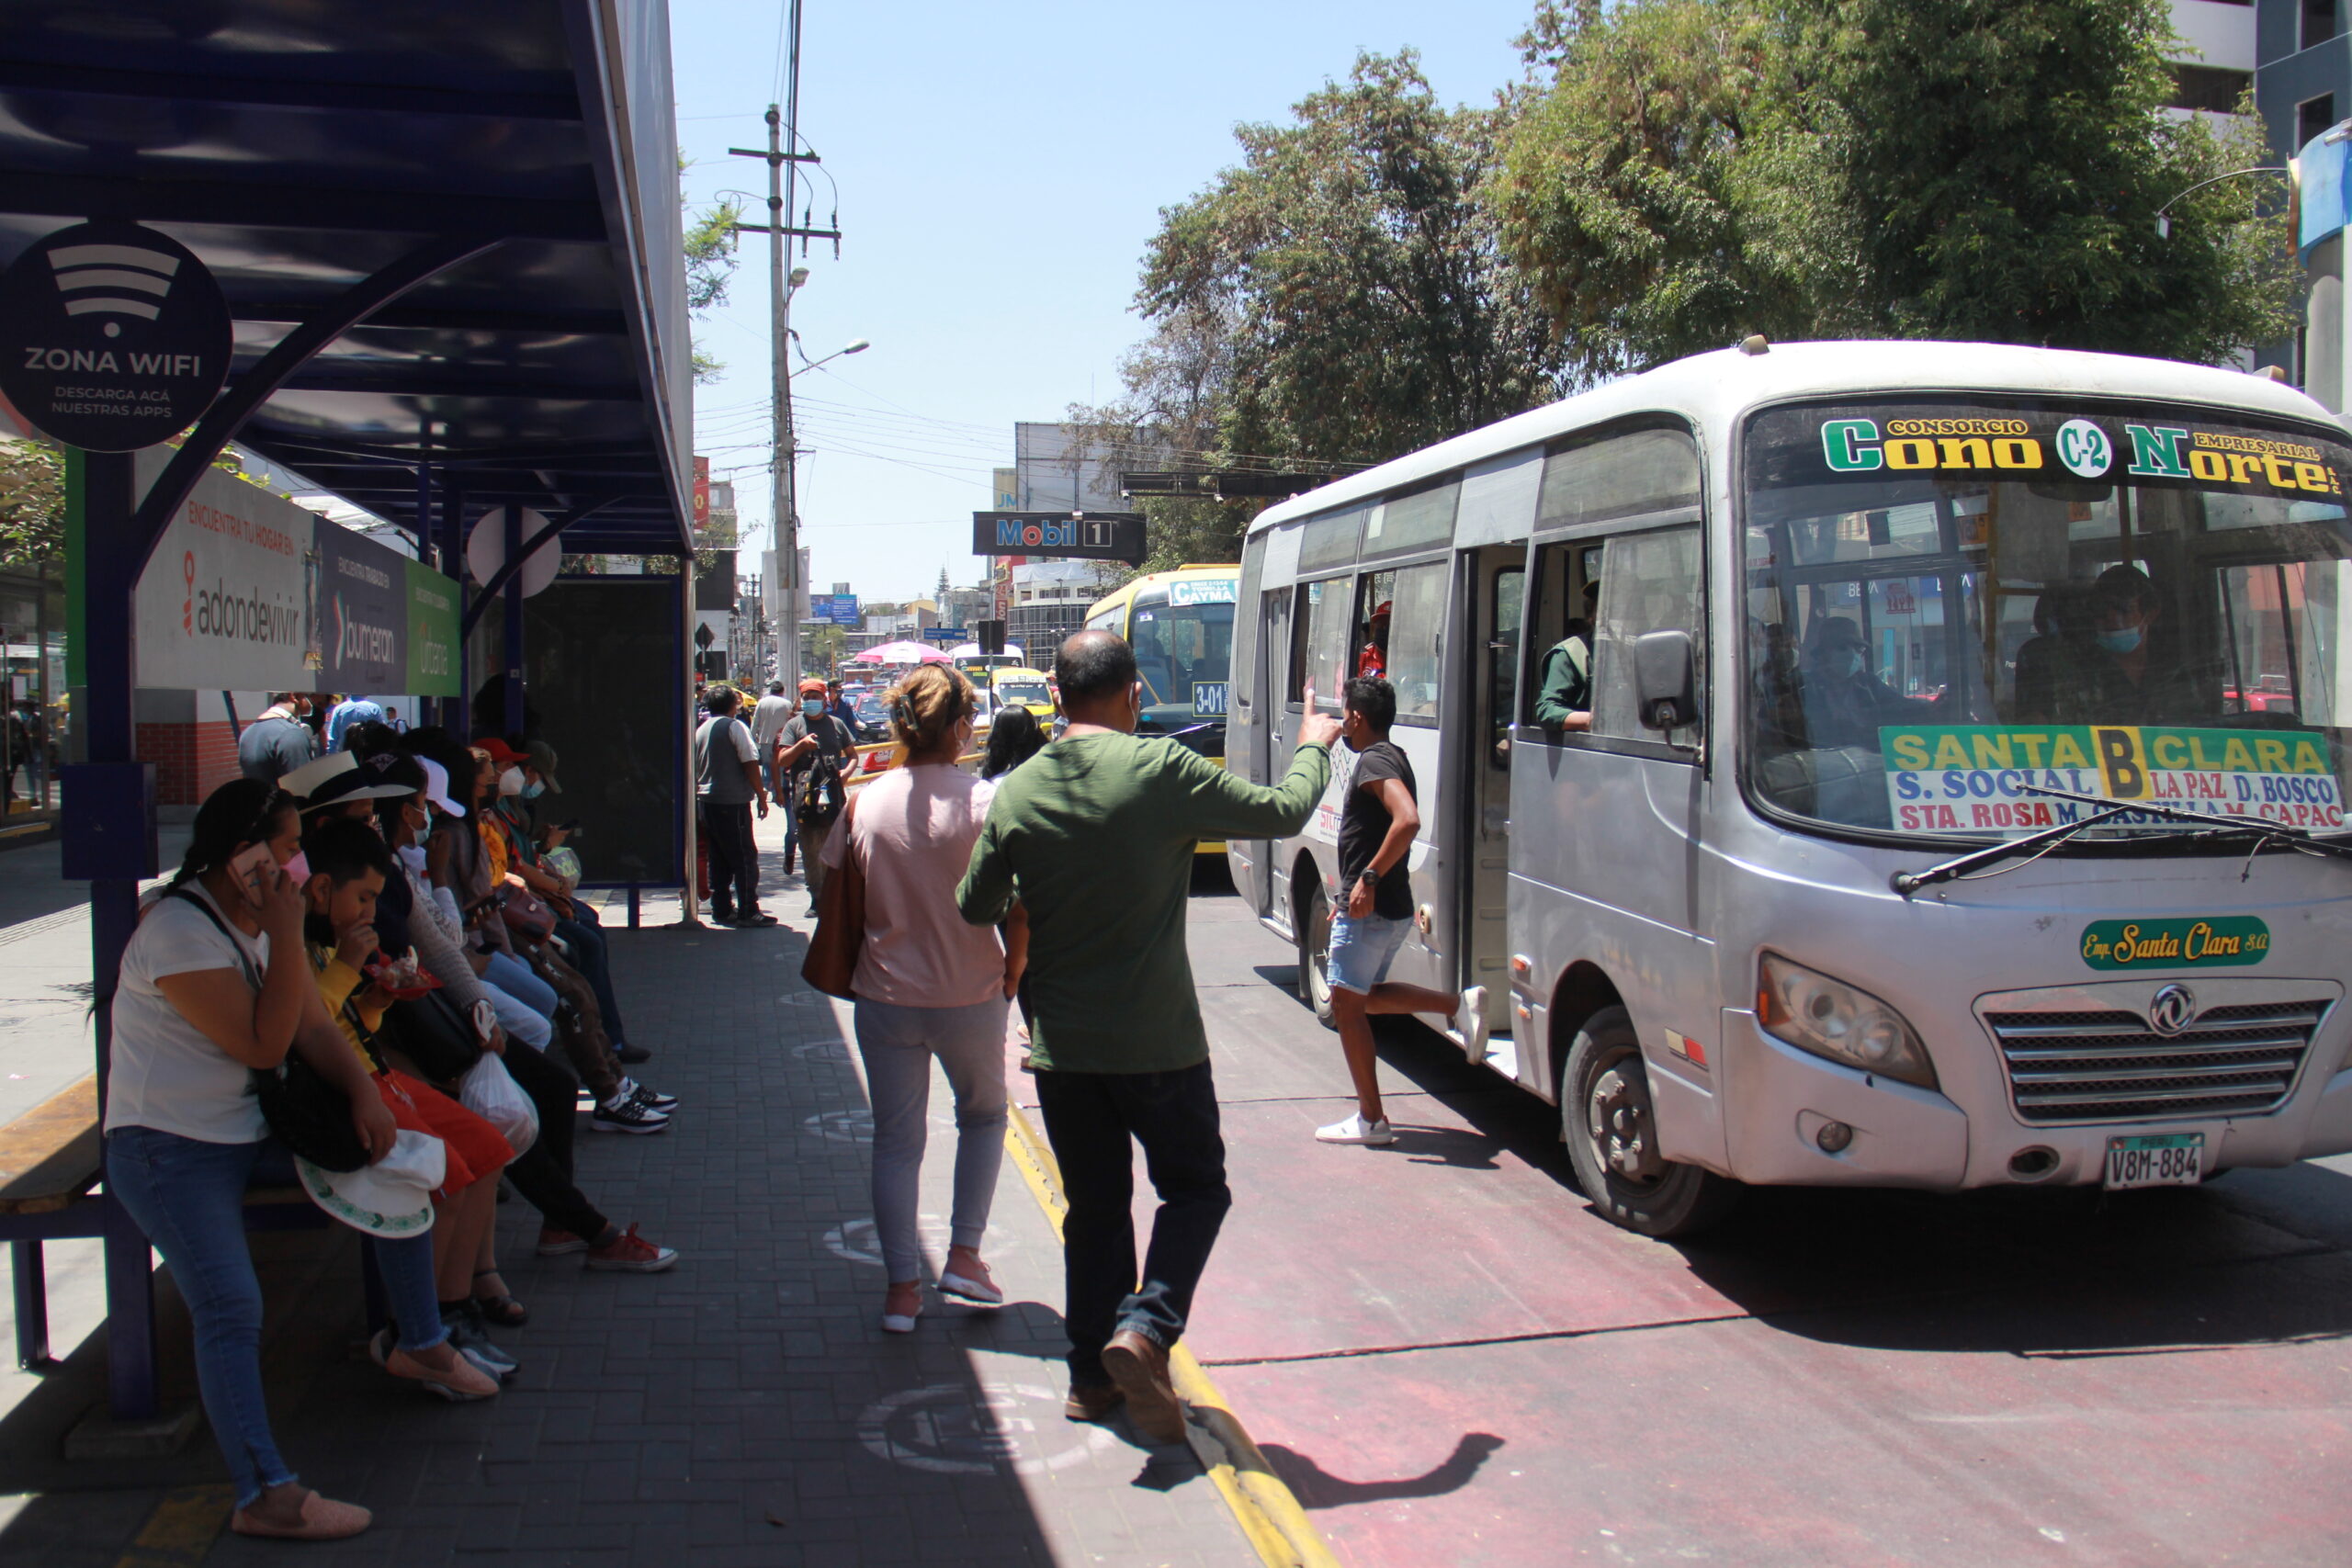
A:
900	653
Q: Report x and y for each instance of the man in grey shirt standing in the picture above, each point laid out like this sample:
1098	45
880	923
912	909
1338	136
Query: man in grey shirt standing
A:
726	779
278	741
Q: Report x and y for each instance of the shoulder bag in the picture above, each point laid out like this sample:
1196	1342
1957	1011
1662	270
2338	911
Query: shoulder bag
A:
840	938
435	1034
302	1110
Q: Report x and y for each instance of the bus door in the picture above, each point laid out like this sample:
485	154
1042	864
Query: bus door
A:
1605	851
1494	585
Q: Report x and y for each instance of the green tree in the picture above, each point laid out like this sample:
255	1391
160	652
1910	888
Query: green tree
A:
2004	162
1360	289
32	502
1682	173
711	264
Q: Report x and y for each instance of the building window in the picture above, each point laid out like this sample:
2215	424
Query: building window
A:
2209	87
2313	116
2319	23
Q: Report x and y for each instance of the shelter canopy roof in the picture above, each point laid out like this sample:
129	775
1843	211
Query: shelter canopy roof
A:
299	146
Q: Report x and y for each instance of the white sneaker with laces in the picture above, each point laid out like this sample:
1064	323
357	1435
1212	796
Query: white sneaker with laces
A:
1471	1022
1356	1129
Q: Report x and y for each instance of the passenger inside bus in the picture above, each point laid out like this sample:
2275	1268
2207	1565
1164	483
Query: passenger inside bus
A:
1371	659
2062	618
2123	673
1563	692
1844	703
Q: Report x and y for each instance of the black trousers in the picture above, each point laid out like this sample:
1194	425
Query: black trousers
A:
1093	1121
734	861
542	1173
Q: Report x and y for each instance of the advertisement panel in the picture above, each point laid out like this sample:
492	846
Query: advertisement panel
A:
362	614
432	632
223	602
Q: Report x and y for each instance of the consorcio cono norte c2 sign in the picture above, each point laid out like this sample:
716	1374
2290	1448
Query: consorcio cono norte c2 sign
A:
112	336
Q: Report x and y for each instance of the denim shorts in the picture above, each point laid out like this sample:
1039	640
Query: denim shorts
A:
1362	950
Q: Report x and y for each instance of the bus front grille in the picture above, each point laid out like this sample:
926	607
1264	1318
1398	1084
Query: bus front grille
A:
2111	1067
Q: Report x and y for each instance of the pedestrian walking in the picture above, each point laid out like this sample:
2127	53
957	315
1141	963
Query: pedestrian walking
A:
726	783
1376	829
1013	738
280	741
928	985
814	750
1095	837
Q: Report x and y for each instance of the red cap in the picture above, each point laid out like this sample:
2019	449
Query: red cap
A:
812	686
502	754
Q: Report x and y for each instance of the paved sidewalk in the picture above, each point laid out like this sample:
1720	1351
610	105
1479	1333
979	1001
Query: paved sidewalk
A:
744	1408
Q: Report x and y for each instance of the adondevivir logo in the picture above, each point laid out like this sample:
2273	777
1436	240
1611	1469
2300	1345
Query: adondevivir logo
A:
251	615
112	336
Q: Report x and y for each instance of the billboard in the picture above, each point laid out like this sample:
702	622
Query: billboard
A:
836	609
248	591
1066	536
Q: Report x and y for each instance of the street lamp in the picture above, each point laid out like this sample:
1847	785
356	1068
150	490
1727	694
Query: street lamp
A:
2164	217
856	345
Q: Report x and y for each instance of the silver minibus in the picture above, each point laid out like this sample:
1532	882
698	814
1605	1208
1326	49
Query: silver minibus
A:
1956	798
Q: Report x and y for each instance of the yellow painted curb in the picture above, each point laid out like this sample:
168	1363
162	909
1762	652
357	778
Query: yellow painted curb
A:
1272	1518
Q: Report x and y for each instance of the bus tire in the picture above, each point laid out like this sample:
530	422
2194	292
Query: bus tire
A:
1314	957
1611	1128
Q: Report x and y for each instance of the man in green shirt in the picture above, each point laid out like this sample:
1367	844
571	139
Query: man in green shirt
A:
1564	696
1094	836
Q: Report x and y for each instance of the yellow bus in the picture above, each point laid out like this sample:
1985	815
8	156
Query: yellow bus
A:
1180	625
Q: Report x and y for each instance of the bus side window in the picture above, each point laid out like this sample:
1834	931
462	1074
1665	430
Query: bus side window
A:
1561	574
1320	654
1502	661
1653	581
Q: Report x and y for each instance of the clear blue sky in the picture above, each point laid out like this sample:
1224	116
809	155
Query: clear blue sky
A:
1000	169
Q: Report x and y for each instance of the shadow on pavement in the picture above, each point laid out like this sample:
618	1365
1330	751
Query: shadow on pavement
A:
1316	1488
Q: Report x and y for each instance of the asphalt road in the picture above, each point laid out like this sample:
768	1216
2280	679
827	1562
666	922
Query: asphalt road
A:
1453	1361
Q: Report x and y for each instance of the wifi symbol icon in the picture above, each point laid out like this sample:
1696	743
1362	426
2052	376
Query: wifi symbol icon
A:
93	279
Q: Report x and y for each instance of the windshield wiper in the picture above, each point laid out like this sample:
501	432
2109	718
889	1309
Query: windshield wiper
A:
1909	882
2262	831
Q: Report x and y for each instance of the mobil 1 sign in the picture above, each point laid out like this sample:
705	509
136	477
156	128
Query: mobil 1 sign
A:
1072	536
112	336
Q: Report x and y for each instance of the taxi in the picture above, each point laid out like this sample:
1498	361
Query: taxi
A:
1024	688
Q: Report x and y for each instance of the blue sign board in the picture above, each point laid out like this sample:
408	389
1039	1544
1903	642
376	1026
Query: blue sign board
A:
836	609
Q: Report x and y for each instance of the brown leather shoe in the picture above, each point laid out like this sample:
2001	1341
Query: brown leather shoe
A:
1092	1401
1140	1368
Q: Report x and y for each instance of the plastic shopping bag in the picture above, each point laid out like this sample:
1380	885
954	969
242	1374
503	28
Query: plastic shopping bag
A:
490	1092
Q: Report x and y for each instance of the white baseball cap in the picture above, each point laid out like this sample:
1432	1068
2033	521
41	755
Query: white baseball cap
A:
436	787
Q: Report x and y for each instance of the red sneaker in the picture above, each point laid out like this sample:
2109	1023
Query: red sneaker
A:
629	1253
554	1243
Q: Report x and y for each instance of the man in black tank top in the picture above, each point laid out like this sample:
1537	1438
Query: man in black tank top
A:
1375	901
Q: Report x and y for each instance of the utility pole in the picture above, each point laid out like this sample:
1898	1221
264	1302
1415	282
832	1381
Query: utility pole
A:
782	154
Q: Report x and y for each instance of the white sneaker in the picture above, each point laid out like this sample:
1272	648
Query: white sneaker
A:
1471	1022
1355	1129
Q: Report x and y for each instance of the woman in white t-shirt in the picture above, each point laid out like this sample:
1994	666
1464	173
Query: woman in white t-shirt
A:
928	985
199	1006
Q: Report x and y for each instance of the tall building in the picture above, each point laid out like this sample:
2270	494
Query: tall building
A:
1049	601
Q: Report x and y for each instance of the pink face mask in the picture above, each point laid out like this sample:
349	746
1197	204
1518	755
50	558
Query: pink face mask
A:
298	870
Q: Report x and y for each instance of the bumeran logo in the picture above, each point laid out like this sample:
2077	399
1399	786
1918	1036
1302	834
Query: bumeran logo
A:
358	642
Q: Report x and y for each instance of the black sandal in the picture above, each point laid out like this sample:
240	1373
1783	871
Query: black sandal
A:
504	1311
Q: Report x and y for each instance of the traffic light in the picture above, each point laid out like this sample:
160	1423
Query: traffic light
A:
990	635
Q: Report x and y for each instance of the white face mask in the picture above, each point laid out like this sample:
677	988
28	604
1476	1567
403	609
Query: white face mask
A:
511	782
412	856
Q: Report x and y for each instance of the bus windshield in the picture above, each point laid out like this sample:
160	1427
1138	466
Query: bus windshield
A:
1182	636
1954	605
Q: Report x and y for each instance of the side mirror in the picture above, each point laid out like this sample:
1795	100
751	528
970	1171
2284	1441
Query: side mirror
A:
1666	680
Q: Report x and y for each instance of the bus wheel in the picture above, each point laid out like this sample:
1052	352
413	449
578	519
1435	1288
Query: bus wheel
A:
1611	1127
1314	958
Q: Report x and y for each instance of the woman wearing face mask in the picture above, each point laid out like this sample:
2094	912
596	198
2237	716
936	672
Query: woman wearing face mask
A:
929	984
2121	673
214	984
814	748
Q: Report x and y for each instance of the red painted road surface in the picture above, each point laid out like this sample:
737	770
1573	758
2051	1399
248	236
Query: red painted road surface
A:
1452	1360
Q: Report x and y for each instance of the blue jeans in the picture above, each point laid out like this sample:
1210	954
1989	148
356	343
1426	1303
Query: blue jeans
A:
898	1043
1094	1120
517	978
1362	949
585	935
188	1197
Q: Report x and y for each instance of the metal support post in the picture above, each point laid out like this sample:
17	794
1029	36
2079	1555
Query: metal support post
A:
513	627
111	559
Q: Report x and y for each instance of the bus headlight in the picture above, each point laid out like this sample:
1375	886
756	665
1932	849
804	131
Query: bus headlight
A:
1813	1012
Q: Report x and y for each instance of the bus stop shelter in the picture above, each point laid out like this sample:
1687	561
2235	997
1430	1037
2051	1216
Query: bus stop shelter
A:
447	237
